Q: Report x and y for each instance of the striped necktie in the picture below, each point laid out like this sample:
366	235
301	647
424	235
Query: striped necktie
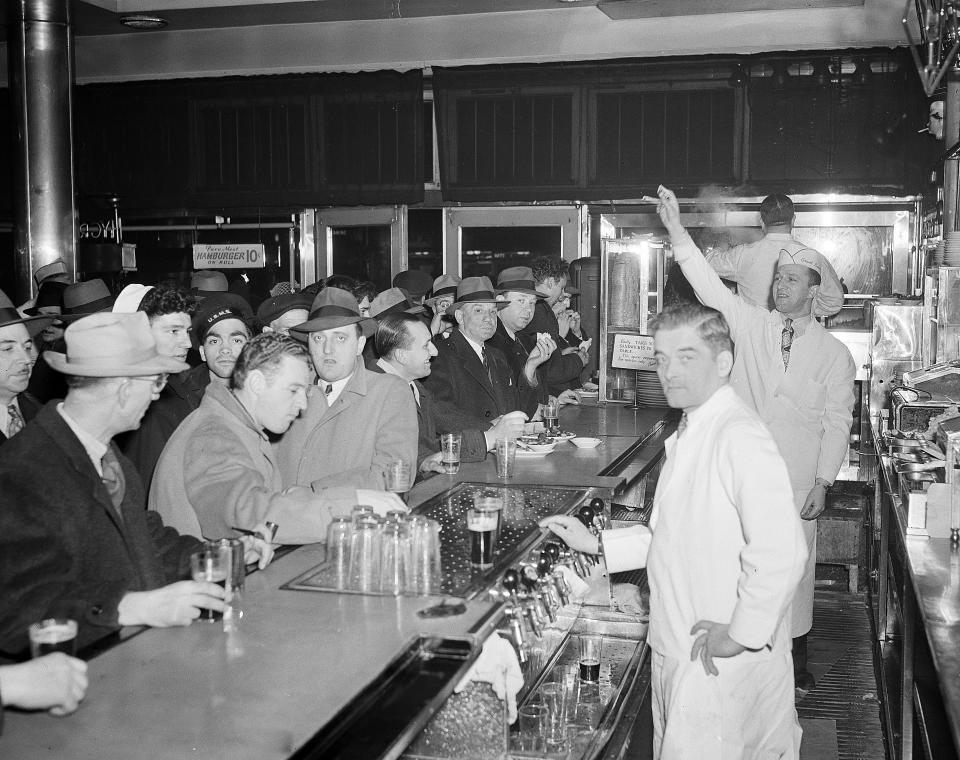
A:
682	426
15	420
486	364
113	480
786	341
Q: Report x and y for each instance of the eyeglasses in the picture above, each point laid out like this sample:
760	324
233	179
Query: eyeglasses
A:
158	382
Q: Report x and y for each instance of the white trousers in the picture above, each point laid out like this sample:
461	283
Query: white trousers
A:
745	713
801	609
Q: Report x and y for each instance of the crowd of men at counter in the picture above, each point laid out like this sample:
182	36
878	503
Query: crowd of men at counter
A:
293	414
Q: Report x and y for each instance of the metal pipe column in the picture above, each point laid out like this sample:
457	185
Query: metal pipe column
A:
41	75
951	133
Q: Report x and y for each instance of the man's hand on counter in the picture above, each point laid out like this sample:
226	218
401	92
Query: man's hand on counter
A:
573	532
815	503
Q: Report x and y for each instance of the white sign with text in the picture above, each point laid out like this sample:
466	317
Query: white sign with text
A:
633	352
228	256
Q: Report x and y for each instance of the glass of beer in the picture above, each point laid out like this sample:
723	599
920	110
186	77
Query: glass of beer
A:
211	564
450	452
53	635
590	649
482	525
551	415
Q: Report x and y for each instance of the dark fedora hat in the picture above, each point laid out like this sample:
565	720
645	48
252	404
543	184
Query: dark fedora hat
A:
276	307
50	296
87	297
517	280
391	301
10	316
475	290
332	308
414	282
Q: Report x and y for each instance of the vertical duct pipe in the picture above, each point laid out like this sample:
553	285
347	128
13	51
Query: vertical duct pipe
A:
41	75
951	134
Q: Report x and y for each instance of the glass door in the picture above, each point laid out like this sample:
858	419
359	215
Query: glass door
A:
362	243
485	240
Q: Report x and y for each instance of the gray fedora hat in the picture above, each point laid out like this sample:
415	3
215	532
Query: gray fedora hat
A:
475	290
391	301
112	345
331	308
10	316
517	280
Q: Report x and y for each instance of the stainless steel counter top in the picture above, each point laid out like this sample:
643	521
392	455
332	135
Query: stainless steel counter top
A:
933	565
297	657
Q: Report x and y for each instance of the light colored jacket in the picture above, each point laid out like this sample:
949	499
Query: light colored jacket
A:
809	406
218	471
727	544
372	422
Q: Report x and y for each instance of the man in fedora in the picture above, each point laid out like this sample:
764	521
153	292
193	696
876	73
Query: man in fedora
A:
357	421
415	284
562	370
79	300
218	470
221	325
443	294
528	353
281	312
17	355
170	311
472	383
75	538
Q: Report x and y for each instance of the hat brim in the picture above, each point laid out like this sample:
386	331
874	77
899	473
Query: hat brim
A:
527	291
34	325
460	304
368	325
156	366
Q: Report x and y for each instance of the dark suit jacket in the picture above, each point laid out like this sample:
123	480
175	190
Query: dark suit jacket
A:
517	350
473	444
29	406
465	396
45	382
144	445
562	371
63	549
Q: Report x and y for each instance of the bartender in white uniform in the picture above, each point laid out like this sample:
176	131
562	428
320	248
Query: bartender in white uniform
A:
795	374
723	559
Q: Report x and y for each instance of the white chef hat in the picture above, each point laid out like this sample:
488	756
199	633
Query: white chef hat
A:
829	299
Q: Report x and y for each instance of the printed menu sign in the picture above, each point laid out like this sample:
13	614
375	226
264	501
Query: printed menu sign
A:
633	352
228	256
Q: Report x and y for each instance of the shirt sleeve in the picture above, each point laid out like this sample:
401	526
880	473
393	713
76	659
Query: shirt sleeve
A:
837	416
707	285
773	557
626	548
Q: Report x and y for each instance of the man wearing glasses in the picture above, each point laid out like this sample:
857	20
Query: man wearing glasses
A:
75	539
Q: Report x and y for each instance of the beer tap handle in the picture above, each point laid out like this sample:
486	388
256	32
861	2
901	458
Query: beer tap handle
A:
544	566
551	550
560	584
511	581
528	577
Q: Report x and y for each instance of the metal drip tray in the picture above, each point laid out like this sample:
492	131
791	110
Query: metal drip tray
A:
523	507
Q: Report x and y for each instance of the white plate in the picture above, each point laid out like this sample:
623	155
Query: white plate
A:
564	436
524	453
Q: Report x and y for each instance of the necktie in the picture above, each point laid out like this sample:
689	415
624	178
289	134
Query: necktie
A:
486	365
416	393
328	390
15	423
113	480
786	341
682	426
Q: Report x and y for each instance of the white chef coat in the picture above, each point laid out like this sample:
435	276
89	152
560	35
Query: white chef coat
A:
753	265
807	407
726	546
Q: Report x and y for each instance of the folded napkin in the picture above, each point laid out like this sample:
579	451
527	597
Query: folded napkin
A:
497	665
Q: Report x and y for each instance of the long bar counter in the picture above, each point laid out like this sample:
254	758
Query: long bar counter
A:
918	612
296	659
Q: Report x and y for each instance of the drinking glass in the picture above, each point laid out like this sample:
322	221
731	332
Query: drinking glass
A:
590	650
424	577
450	452
551	414
533	724
482	526
364	574
398	477
53	635
506	449
339	533
212	564
237	576
395	552
361	510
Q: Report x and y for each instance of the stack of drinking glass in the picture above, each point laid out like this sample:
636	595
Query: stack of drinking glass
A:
395	554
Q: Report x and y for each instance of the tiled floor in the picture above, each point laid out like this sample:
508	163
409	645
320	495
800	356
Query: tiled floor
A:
840	716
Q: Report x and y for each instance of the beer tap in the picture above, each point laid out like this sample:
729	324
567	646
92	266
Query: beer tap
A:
542	603
551	553
599	513
548	587
524	605
585	516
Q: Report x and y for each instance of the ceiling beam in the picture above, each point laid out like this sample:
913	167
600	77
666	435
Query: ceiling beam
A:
632	9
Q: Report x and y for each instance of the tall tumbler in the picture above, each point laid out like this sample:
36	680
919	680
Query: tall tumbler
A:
394	555
339	533
365	556
425	548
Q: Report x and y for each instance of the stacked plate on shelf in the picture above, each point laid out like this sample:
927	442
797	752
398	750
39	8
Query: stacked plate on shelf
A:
649	390
951	249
